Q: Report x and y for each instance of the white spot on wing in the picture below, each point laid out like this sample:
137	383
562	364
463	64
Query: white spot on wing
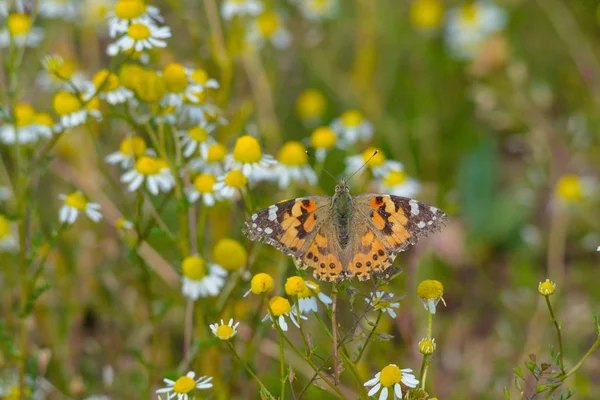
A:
268	231
254	216
272	213
421	224
430	223
414	207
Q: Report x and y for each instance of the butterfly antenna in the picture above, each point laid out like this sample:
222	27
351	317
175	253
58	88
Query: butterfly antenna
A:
324	169
362	166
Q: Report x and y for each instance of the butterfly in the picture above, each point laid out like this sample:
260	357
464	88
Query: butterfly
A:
343	237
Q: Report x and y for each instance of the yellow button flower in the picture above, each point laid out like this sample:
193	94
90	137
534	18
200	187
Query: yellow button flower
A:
194	268
310	105
294	286
230	254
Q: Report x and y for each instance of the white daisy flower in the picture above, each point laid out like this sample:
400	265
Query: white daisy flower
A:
317	10
352	127
140	36
177	84
469	25
29	126
282	309
431	291
61	74
229	185
213	162
199	82
181	388
240	8
268	27
390	379
131	147
373	159
396	181
128	12
59	9
201	279
20	32
109	88
74	111
74	204
224	331
383	302
8	241
152	171
203	187
247	157
293	165
322	140
308	299
196	139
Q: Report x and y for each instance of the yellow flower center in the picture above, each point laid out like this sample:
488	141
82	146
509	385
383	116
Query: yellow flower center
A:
204	183
381	303
199	134
280	306
132	146
216	152
310	104
60	68
147	165
351	118
376	161
313	290
18	24
150	86
569	188
65	103
319	6
138	32
547	288
395	178
293	154
426	14
107	80
122	223
4	227
426	346
128	75
469	14
268	23
323	138
247	150
194	268
24	114
430	289
93	104
295	285
130	9
175	77
230	254
200	76
44	119
224	332
76	200
185	384
261	283
236	179
390	375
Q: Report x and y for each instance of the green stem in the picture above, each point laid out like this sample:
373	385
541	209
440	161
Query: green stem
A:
249	370
364	346
585	357
558	333
425	363
282	367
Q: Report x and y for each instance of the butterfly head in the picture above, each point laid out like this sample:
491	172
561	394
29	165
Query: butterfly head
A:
342	187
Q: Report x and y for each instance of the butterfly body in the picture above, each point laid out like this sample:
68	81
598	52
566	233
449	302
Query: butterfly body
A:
342	236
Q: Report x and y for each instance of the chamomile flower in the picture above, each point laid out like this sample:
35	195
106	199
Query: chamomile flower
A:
397	182
383	301
261	283
213	162
230	254
240	8
470	24
229	184
28	127
108	87
181	388
431	292
72	110
282	309
318	9
128	12
268	28
59	9
177	83
74	204
308	298
131	148
8	242
392	378
140	36
196	139
571	189
199	82
376	162
293	165
151	171
224	331
322	140
247	156
310	105
203	187
201	279
352	127
61	74
547	288
20	32
426	15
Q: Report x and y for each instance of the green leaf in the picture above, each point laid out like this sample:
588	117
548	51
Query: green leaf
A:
518	371
506	394
539	388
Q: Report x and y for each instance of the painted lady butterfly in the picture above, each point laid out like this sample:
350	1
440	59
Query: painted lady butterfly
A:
344	236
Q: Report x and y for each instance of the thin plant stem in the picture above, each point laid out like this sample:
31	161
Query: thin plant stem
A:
334	328
189	326
249	370
558	334
282	366
371	333
425	363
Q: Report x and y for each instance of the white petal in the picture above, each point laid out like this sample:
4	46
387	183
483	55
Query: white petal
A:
384	394
375	389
